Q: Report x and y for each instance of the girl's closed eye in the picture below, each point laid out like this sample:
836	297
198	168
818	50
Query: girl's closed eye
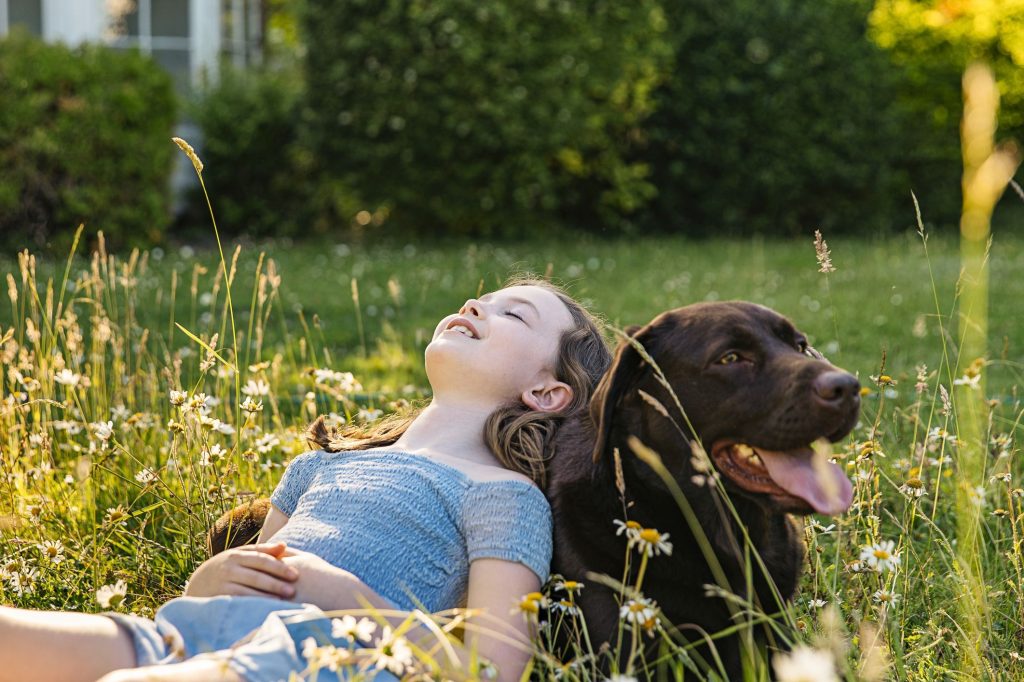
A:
515	315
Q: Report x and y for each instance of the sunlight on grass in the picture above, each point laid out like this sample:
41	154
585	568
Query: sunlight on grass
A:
129	422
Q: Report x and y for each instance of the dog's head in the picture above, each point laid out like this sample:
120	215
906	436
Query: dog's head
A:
754	393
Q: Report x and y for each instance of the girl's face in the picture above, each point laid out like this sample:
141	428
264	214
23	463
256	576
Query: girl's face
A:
499	348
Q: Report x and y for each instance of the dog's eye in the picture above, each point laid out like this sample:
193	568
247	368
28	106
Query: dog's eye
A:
729	358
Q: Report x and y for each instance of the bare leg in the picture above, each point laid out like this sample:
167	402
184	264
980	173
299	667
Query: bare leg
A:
206	670
60	646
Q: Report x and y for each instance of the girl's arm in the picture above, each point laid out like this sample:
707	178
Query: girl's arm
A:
247	570
495	587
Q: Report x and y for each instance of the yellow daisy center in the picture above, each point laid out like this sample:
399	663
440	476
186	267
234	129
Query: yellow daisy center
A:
633	524
881	554
650	535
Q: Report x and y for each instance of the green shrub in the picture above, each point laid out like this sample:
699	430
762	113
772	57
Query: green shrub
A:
254	169
933	43
483	116
777	118
84	137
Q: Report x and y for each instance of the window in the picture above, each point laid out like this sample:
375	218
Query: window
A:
27	14
159	28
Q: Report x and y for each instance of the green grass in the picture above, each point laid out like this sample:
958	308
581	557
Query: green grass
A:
124	340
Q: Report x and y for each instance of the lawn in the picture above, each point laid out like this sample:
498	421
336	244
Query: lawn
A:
128	501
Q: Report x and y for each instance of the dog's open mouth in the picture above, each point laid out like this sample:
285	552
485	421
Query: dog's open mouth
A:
800	480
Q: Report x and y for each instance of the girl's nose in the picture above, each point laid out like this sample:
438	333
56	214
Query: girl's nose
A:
472	307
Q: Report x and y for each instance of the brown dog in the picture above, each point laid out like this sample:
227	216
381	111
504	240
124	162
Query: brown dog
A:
755	396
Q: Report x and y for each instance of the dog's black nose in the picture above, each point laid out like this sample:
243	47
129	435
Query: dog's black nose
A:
836	387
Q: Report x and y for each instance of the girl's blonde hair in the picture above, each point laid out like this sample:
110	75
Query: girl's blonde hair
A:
518	436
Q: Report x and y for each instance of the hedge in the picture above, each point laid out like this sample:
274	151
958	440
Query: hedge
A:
84	138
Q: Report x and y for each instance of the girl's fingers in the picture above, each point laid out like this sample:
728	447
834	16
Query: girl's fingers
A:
234	589
269	565
266	547
267	584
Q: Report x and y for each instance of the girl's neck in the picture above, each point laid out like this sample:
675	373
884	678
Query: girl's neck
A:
451	430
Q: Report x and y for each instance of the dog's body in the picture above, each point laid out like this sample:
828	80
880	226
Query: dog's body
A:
743	375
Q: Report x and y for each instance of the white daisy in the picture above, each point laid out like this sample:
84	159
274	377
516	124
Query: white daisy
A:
649	541
256	388
67	378
112	596
348	626
881	556
804	664
392	652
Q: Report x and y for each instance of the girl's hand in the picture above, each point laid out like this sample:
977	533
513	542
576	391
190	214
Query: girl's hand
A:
251	570
322	583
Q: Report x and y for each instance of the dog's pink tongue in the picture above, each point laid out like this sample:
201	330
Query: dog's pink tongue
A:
811	477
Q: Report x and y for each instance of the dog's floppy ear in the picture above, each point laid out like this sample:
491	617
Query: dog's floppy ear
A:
624	371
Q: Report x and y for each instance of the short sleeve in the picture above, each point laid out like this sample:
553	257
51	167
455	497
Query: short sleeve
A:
509	520
295	481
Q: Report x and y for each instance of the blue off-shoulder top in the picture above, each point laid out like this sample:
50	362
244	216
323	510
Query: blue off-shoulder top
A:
408	525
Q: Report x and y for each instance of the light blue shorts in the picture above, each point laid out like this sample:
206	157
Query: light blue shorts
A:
186	627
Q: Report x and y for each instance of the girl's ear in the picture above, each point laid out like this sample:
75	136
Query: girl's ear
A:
554	396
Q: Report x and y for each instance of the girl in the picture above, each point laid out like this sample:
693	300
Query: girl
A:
437	510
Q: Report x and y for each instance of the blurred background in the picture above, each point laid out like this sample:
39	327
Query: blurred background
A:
483	118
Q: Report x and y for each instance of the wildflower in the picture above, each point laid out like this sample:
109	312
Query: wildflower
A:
334	420
52	550
175	427
146	476
103	430
112	596
222	427
566	606
1004	477
24	581
630	528
816	603
256	388
570	586
804	664
348	626
326	376
250	455
212	454
190	153
178	398
267	442
120	412
67	378
531	604
200	403
883	380
621	678
885	598
824	530
913	487
369	414
638	611
1001	513
251	406
968	381
327	656
880	556
822	253
116	516
649	541
392	652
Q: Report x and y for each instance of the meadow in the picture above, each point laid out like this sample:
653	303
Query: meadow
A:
109	476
